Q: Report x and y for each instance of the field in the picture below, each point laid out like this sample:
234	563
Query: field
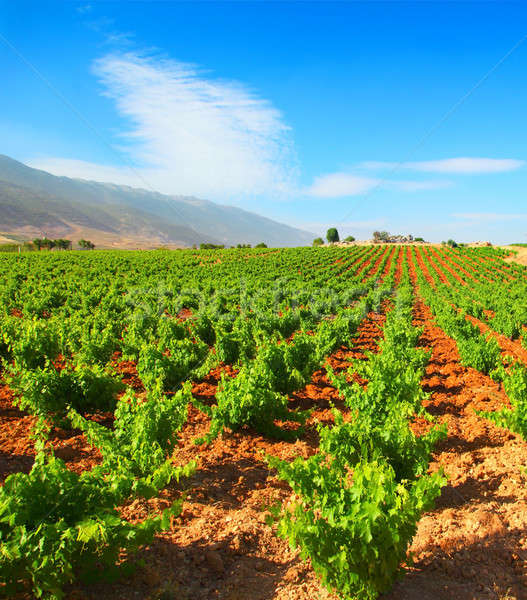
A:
264	424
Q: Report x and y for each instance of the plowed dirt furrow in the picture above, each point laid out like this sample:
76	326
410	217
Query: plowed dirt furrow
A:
455	268
442	265
374	268
388	265
509	347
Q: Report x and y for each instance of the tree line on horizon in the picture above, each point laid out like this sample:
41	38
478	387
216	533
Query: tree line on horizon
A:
45	243
332	237
61	243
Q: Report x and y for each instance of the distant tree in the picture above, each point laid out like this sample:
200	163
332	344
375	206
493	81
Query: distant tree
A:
452	243
63	244
243	246
86	244
207	246
350	238
261	245
332	235
381	236
38	243
418	239
318	242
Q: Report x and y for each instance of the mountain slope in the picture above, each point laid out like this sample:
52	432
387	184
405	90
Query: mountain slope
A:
38	203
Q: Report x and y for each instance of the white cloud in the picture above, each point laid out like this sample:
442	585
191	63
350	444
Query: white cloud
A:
339	185
377	165
418	186
468	165
489	217
336	185
460	165
189	133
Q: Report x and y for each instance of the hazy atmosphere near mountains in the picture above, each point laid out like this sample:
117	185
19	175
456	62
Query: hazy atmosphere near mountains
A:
406	117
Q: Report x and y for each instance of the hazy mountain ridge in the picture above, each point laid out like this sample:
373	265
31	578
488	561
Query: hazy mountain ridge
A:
32	200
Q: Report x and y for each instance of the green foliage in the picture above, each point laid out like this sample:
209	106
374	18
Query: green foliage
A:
227	347
318	241
393	441
144	435
350	238
480	353
56	525
171	367
332	235
276	316
49	392
250	400
515	418
354	525
31	343
208	246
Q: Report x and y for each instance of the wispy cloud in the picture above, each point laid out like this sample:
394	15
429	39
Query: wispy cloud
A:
340	185
336	185
190	133
417	186
489	217
84	9
460	165
468	165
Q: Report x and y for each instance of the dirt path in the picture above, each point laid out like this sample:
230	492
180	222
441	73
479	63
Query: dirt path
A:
520	257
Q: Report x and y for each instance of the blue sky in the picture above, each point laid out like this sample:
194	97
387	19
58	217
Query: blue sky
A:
315	114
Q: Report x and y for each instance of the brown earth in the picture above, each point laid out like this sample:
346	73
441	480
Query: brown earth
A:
520	257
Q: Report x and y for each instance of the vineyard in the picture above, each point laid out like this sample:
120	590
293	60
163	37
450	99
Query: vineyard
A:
337	422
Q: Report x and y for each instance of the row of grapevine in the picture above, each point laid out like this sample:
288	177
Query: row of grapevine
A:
481	353
358	500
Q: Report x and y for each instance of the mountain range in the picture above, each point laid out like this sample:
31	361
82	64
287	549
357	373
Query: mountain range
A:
34	203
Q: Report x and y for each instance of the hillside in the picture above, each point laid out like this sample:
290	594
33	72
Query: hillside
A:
36	203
